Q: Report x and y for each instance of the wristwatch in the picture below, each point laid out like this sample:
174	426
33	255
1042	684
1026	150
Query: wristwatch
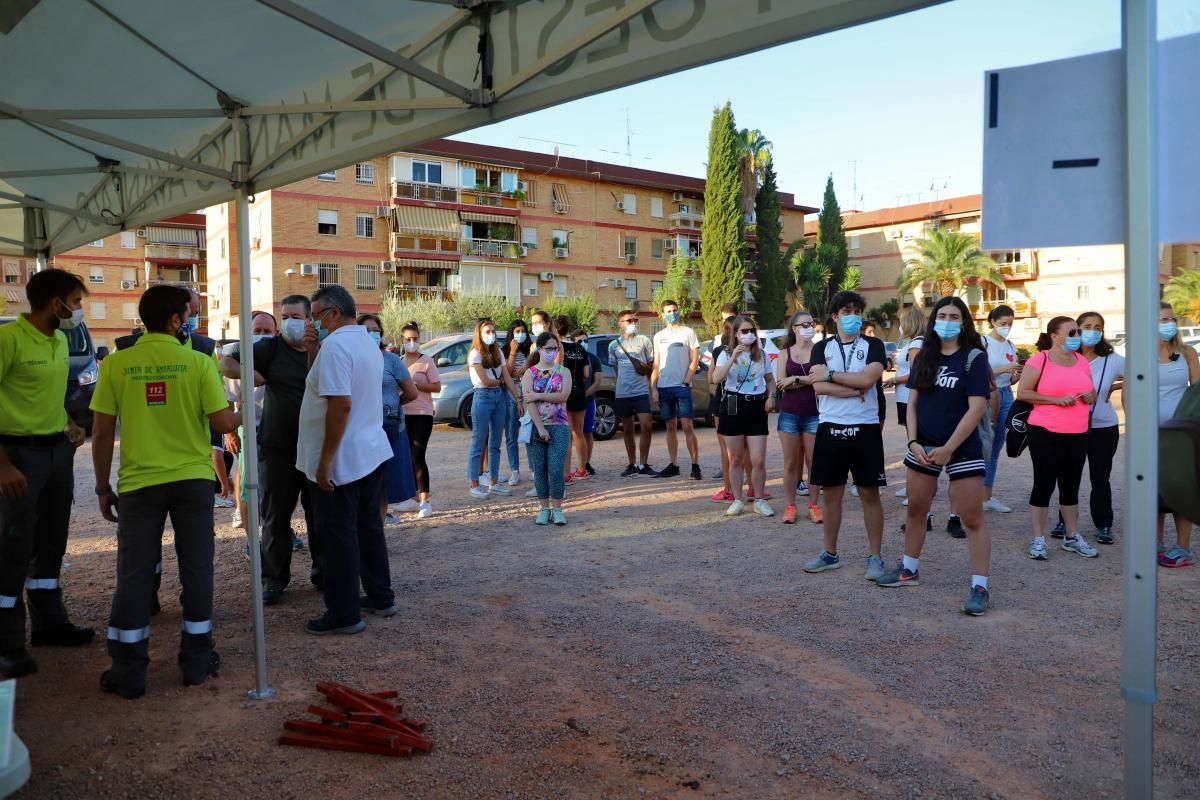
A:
829	376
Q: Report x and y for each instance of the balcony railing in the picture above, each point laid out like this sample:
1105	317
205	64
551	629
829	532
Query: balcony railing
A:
172	251
497	249
1021	308
479	196
410	291
688	220
406	190
423	244
1017	270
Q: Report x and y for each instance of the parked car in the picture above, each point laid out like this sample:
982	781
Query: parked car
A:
891	348
81	379
449	354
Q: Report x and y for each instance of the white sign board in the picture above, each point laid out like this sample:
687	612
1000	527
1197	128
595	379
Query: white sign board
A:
1054	150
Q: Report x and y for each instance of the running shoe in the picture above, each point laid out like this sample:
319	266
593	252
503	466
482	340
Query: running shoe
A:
1037	550
543	517
590	469
580	474
1175	557
669	471
899	577
223	502
375	609
789	515
823	562
718	475
735	508
696	473
1104	536
567	481
324	626
874	568
978	602
514	478
237	520
853	490
814	514
902	492
557	516
426	510
1060	530
995	505
722	496
928	524
750	495
297	542
1077	544
954	527
763	509
630	471
802	488
532	492
391	519
500	489
646	471
479	492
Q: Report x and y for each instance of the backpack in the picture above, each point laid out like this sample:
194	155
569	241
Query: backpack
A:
1179	457
986	434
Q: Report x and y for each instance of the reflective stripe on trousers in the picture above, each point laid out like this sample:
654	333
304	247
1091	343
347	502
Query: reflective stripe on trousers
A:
34	584
197	628
7	601
128	636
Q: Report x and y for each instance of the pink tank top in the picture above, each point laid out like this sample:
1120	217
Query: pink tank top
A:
1057	381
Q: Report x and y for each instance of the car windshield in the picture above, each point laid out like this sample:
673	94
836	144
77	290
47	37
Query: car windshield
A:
78	341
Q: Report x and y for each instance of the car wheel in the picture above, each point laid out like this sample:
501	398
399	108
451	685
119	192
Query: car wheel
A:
464	411
606	419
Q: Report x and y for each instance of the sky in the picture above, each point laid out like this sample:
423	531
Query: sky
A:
894	107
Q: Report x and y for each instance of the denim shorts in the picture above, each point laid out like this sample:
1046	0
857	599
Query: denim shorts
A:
675	402
794	423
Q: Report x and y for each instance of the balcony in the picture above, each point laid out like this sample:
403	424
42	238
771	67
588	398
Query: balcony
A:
490	196
172	252
408	291
492	250
407	242
427	192
684	220
1021	308
1017	271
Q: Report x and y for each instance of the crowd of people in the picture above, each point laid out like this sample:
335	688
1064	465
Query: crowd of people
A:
343	424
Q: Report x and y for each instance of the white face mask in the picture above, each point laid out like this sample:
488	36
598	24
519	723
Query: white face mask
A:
292	329
410	347
537	328
631	329
258	337
1004	331
807	333
489	339
72	322
747	338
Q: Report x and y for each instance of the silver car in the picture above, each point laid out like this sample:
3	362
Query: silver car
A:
449	354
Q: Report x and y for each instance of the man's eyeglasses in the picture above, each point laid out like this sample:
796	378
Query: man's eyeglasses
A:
804	325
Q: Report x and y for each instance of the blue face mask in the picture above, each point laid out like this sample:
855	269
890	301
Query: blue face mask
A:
520	336
376	336
1167	331
851	324
1092	338
947	329
321	332
671	317
188	327
1072	344
489	339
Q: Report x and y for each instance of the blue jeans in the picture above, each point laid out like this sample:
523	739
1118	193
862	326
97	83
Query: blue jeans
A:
674	402
547	461
1006	401
487	423
512	424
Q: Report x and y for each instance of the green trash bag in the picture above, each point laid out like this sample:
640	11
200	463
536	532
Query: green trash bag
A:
1179	457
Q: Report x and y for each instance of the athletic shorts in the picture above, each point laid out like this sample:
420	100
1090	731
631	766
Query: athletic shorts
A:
750	419
589	416
627	407
577	400
902	414
675	402
967	462
796	424
856	450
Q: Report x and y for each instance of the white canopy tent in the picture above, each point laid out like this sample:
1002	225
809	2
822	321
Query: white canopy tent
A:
118	113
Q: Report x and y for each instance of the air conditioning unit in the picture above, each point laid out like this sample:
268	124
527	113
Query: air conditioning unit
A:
531	292
128	285
620	205
524	250
560	252
676	196
559	208
629	259
546	277
387	266
618	283
523	186
141	232
309	270
895	233
383	211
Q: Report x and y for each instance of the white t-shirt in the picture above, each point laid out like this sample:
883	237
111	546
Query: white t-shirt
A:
853	356
746	376
495	373
903	367
349	364
1105	370
1001	354
673	352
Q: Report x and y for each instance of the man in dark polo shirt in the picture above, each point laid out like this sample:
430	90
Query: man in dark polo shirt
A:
281	364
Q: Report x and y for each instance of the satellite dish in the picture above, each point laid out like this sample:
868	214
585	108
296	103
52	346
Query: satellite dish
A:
556	152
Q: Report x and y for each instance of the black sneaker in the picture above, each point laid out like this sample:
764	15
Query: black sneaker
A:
1060	530
272	597
928	524
695	472
129	691
646	471
65	635
297	543
955	528
316	579
17	663
324	626
213	669
369	606
899	577
978	602
589	469
669	471
1104	535
630	471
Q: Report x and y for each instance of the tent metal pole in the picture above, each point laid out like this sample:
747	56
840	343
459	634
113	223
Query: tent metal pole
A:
1139	629
262	689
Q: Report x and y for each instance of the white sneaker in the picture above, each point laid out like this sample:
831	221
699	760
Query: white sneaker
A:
479	492
500	489
410	504
802	488
426	511
1037	550
853	490
735	508
237	519
1077	544
514	478
995	505
902	492
904	502
762	508
532	492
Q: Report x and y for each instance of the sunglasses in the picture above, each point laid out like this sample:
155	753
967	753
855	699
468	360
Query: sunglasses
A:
1072	333
804	325
748	330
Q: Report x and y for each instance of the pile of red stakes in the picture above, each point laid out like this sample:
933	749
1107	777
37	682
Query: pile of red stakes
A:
361	722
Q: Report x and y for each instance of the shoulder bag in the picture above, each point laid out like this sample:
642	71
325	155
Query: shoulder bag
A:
1017	424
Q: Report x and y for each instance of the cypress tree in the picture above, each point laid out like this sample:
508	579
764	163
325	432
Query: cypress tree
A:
771	273
832	252
722	270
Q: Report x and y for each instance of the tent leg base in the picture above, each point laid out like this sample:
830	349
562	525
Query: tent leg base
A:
262	694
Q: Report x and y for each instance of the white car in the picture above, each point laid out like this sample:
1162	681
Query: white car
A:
766	339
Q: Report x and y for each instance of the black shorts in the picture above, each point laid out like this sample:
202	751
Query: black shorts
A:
853	449
629	406
577	400
750	419
902	414
967	462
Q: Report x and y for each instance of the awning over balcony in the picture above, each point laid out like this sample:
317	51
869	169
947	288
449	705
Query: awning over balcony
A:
475	216
164	234
440	222
425	263
562	202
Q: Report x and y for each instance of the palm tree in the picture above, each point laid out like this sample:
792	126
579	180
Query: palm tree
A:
755	153
1183	293
948	259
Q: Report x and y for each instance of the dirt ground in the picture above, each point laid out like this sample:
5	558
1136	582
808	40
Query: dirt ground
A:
651	648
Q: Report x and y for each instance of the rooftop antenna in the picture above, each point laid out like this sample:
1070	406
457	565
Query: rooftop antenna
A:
628	138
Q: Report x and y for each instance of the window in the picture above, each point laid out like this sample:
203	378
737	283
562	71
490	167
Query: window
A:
128	239
630	289
364	173
364	276
508	181
129	311
12	273
98	243
331	175
364	225
96	310
1009	257
655	288
684	208
529	285
1083	291
530	190
529	236
656	207
129	274
222	247
95	274
326	222
628	246
630	203
559	237
426	172
328	275
560	287
854	243
656	248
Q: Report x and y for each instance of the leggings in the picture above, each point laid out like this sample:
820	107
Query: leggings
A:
419	427
1101	449
547	459
1057	459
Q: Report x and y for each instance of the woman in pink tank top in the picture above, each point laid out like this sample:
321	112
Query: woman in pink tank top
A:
1058	382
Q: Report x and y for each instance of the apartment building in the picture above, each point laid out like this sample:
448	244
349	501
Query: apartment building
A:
1040	283
118	268
453	216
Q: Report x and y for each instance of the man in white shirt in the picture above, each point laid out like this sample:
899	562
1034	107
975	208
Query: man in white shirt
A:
341	448
676	357
846	370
